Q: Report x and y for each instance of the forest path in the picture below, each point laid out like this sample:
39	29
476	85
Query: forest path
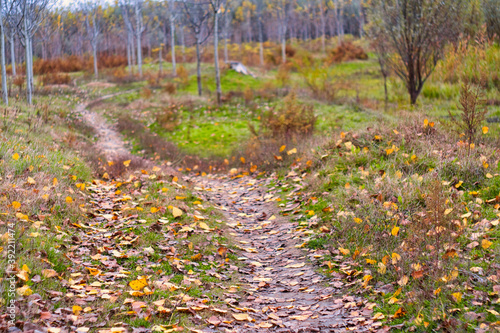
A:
282	290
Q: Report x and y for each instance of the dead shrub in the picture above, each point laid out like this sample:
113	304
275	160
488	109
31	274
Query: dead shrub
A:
248	95
19	82
290	120
170	88
182	78
146	93
55	78
347	51
120	75
168	117
473	109
283	75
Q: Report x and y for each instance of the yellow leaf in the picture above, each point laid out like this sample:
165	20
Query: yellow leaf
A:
176	212
282	148
24	291
457	297
399	174
448	211
126	163
358	220
403	281
382	268
242	317
154	210
426	122
179	197
253	168
204	226
15	156
493	312
292	151
69	199
395	231
459	184
138	284
486	243
389	151
437	291
16	205
371	261
242	159
485	165
31	181
77	309
48	273
485	129
395	258
344	251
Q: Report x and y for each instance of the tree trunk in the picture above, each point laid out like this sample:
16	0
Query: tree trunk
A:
96	71
183	46
198	64
5	91
129	56
386	94
216	57
261	41
226	56
12	54
160	62
172	34
138	32
283	44
27	60
139	55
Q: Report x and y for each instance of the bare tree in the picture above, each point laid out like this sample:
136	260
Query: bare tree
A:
31	17
216	6
197	14
92	12
417	31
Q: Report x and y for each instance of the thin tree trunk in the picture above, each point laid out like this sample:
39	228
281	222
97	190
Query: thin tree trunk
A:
172	34
138	29
183	46
216	57
226	55
94	49
198	64
5	91
12	54
27	60
261	41
160	61
129	56
283	44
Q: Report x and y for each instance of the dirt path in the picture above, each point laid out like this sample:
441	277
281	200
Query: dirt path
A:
109	142
283	290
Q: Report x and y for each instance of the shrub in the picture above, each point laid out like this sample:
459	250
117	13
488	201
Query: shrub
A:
168	117
248	95
55	78
182	78
473	110
146	93
290	120
347	51
320	81
170	88
19	82
283	75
